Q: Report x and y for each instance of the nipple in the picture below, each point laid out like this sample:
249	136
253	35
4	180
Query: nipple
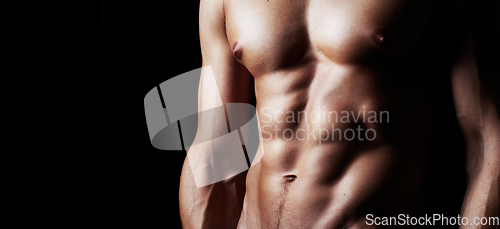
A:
381	37
237	50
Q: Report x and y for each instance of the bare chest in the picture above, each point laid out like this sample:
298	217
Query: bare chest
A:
279	34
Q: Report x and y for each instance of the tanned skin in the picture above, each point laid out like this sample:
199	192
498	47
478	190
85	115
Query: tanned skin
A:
306	55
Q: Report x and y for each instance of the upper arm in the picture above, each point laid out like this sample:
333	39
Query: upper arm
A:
235	84
223	77
215	154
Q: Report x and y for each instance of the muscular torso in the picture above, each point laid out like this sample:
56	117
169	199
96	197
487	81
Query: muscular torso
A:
328	57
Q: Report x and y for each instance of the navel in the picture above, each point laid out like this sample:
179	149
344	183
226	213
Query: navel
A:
237	50
381	37
290	178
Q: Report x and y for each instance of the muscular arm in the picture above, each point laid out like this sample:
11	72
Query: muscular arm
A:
215	205
480	122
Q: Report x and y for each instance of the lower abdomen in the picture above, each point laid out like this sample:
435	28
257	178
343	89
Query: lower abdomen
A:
324	186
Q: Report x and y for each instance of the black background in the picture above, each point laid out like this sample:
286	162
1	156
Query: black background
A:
145	43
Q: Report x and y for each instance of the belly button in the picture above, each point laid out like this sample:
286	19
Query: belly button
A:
290	178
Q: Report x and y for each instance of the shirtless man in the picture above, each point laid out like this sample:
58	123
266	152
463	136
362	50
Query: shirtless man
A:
308	55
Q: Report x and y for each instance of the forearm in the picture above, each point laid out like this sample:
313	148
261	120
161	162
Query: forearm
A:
482	196
482	199
213	206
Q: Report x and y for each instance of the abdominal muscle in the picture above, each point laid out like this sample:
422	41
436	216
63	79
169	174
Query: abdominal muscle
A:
318	196
303	177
